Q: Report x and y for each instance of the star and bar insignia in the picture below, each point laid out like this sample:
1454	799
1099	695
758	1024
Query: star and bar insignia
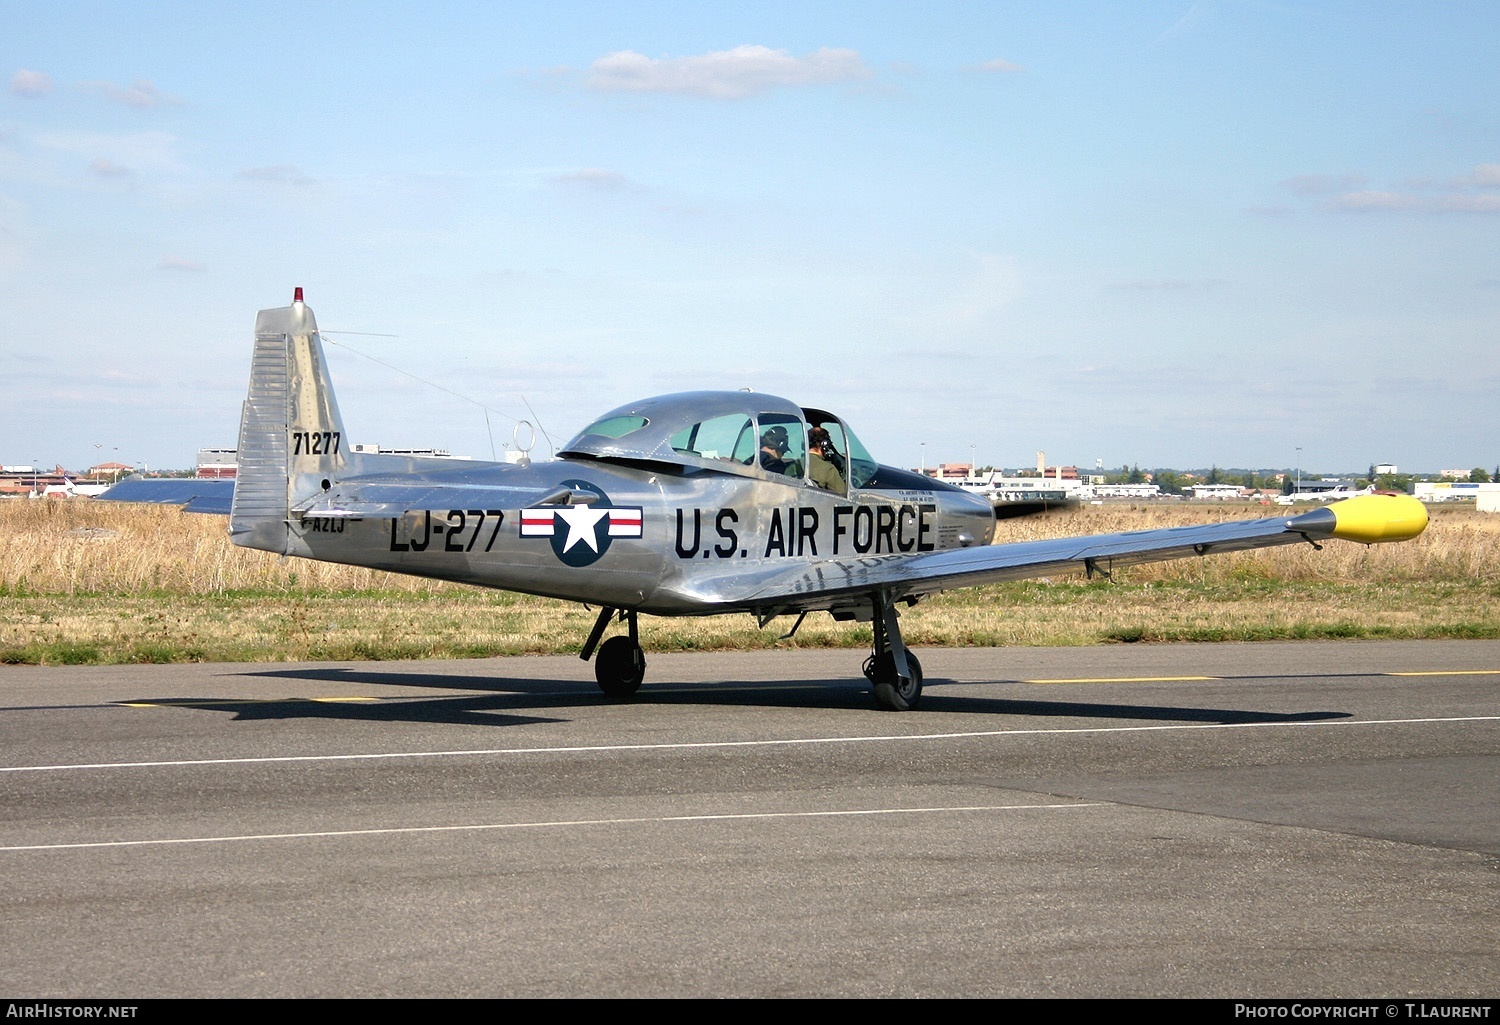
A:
580	534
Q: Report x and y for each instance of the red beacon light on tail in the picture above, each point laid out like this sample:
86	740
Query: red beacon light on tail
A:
297	294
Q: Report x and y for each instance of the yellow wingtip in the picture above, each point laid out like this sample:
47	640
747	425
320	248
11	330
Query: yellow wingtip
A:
1370	519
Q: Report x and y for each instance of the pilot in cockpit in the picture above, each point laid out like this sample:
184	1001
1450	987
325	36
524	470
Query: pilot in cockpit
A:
773	449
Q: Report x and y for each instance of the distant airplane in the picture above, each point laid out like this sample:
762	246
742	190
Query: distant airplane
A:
692	504
1334	494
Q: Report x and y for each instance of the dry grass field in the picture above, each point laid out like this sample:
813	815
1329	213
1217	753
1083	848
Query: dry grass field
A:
82	581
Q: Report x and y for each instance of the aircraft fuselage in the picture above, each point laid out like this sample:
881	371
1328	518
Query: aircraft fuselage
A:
664	541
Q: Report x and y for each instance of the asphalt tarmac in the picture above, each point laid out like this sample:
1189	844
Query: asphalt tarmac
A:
1244	821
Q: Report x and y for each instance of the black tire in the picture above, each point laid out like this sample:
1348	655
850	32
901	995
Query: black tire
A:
891	692
619	666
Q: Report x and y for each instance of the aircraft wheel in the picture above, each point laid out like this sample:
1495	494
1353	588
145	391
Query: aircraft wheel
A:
891	692
619	666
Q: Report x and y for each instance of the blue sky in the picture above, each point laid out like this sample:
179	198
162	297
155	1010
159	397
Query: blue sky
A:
1171	234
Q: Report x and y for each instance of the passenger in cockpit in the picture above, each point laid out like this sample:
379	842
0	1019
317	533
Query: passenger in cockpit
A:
820	467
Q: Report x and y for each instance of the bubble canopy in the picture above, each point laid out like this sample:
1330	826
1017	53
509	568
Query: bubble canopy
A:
744	433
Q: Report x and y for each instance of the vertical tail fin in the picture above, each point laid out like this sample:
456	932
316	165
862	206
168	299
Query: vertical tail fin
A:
291	434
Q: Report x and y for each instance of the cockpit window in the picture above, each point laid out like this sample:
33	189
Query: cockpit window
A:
845	452
617	426
783	444
729	439
827	455
861	466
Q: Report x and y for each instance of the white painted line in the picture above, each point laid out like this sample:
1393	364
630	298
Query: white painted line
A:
721	744
1130	679
565	823
1448	672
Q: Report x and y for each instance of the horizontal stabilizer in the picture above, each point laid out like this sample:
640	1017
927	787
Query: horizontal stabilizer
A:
356	497
193	495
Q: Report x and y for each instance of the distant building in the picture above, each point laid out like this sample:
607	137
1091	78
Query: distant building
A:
1453	490
1127	490
1215	492
430	453
214	463
1328	487
110	471
30	480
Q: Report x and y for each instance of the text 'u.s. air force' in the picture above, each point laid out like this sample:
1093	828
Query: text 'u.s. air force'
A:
800	531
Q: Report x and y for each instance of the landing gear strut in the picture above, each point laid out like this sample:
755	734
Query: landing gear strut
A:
621	664
895	672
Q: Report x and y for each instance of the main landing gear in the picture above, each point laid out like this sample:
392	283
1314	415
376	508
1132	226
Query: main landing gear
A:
621	665
896	674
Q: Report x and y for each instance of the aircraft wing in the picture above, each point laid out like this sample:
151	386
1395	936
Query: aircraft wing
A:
1369	519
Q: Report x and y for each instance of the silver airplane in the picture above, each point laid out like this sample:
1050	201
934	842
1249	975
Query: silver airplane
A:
692	504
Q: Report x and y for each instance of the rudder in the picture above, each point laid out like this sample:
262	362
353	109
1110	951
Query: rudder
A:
291	435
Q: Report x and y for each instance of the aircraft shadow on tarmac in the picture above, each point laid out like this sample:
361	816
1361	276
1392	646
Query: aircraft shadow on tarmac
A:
506	701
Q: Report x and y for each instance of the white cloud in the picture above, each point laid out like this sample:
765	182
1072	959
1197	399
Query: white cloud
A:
993	283
177	263
999	64
31	83
140	94
140	151
1348	193
1323	184
281	174
947	355
1371	199
1485	176
1163	284
1481	204
724	74
109	169
12	213
593	177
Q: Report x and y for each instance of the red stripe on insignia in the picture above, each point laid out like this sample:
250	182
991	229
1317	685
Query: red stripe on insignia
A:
624	523
536	523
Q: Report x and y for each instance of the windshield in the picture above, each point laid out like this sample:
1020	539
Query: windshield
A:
616	426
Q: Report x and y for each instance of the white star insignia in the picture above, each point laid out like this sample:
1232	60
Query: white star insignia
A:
582	521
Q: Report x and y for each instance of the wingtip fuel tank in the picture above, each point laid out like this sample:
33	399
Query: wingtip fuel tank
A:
1371	519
